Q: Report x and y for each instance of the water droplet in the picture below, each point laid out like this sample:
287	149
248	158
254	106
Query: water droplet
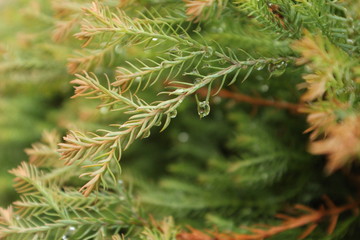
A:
158	123
282	65
350	41
222	61
137	79
260	66
146	134
154	39
70	231
208	52
197	81
264	88
197	29
183	137
259	78
174	50
271	67
203	109
173	114
219	29
119	49
195	72
104	110
277	69
64	237
179	91
217	100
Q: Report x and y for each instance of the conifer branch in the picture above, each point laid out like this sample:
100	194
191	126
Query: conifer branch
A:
336	136
311	218
198	10
49	212
102	149
257	101
45	154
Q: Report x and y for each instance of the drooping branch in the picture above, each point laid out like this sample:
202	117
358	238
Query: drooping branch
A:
239	97
310	219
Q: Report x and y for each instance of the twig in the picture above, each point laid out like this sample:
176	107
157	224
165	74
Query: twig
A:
311	219
254	101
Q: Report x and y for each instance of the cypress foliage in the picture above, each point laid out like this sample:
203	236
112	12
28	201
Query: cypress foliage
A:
194	119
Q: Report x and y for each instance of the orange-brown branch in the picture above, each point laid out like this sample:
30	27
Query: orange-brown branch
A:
253	100
311	219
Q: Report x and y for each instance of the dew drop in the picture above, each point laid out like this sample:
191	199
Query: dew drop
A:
223	61
174	50
72	228
173	114
277	69
197	81
146	134
104	110
154	39
208	52
259	78
183	137
179	91
69	232
350	41
260	66
137	79
195	72
158	123
217	100
271	67
119	49
203	109
282	65
264	88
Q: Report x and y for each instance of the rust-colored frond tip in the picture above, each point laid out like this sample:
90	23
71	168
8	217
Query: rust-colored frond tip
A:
310	218
194	234
6	215
195	9
341	145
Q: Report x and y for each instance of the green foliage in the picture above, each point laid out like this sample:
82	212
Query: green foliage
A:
144	72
